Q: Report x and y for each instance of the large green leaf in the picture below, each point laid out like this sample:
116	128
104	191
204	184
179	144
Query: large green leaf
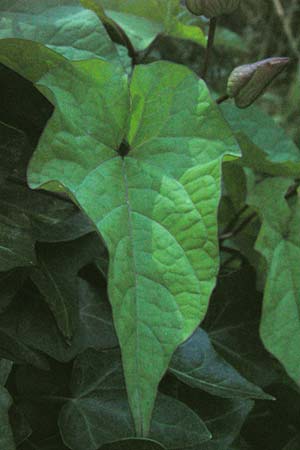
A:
197	364
155	208
143	20
6	436
279	243
265	146
63	25
98	411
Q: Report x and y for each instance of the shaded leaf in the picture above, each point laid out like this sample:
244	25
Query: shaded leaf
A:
29	322
279	242
233	327
133	444
10	283
19	424
53	219
99	412
6	436
5	369
265	146
16	240
143	21
294	444
197	364
225	423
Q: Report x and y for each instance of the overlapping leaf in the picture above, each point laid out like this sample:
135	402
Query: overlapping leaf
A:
143	20
156	208
265	146
197	364
28	328
279	243
6	436
98	411
64	26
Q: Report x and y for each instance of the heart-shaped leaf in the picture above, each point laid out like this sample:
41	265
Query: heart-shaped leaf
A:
159	215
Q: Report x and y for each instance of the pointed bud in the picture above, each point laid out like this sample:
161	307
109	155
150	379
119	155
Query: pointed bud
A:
212	8
246	83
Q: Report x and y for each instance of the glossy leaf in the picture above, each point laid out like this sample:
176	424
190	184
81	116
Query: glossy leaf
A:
197	364
279	243
99	412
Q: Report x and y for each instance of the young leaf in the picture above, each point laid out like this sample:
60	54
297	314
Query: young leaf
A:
197	364
6	436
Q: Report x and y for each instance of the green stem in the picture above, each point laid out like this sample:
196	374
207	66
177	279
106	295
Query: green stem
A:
210	43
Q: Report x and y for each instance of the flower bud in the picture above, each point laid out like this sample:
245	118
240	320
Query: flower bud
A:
212	8
246	83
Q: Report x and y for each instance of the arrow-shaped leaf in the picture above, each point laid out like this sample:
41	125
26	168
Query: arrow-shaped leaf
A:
155	207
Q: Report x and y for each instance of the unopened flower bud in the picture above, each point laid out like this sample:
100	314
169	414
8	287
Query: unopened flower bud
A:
246	83
212	8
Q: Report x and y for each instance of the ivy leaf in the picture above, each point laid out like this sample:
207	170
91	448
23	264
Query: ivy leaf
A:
225	423
56	278
265	146
64	26
5	369
279	242
134	444
232	323
6	436
197	364
16	240
99	412
29	321
144	21
158	216
293	444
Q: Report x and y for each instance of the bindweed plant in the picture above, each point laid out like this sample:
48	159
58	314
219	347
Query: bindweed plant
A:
149	235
